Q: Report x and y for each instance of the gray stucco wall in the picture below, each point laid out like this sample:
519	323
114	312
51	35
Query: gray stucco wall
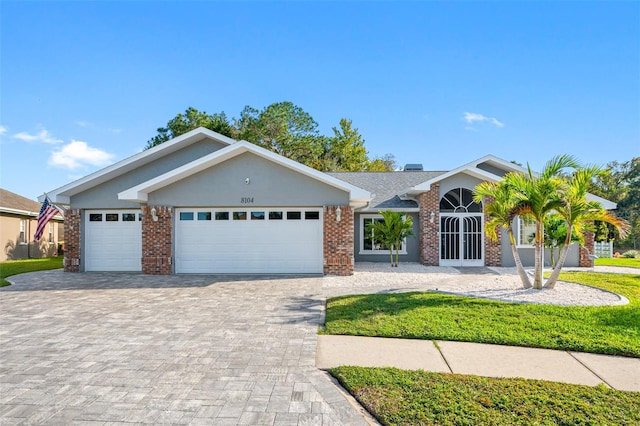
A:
492	169
458	181
105	196
269	185
527	254
413	253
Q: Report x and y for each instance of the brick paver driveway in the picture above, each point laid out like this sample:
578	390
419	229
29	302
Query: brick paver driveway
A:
99	348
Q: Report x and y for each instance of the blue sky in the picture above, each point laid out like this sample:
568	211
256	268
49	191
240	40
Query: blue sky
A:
84	84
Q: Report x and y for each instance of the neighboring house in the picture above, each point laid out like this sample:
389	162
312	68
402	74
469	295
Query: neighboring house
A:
18	219
205	203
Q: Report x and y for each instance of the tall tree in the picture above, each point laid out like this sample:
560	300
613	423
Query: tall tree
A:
620	183
192	119
283	128
345	151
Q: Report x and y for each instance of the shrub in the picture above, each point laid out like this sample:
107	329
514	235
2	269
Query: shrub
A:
631	254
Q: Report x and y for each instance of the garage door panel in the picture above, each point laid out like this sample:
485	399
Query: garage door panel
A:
248	246
112	245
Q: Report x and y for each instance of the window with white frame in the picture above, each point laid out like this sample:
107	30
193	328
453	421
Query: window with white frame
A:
368	245
50	233
22	239
525	231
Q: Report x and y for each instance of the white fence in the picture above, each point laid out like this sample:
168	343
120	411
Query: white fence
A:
603	249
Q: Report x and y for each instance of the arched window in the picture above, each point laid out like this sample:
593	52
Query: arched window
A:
459	200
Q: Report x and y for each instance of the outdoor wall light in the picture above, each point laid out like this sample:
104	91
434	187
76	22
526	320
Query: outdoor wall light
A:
432	216
338	214
154	214
247	181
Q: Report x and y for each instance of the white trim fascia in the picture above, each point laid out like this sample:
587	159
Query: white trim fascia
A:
26	213
606	204
63	194
140	193
393	209
470	168
475	172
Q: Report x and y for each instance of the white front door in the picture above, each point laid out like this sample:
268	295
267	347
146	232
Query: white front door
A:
113	240
461	239
249	240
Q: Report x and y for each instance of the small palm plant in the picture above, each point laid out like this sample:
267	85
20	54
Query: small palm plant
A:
391	231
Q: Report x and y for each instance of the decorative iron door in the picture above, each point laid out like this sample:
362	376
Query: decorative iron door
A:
461	239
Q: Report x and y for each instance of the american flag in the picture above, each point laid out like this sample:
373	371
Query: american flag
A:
47	212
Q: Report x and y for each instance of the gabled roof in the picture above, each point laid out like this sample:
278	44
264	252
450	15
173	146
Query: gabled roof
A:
471	169
62	195
17	204
385	186
139	193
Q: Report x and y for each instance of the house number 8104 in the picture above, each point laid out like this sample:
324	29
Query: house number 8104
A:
246	200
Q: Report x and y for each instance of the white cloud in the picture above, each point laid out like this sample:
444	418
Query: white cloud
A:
78	154
473	117
42	136
3	130
82	123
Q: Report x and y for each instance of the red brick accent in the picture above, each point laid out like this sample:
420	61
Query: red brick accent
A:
338	241
157	241
585	261
72	232
429	240
492	249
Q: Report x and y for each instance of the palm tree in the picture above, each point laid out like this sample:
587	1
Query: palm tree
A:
579	213
499	206
535	196
391	231
555	236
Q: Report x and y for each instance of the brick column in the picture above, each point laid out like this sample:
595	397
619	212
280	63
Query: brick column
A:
492	249
586	250
157	240
338	241
429	239
72	232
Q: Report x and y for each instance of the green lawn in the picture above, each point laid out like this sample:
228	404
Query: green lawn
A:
611	330
619	261
397	397
14	267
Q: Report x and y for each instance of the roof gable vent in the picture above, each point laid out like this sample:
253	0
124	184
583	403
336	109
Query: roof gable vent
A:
413	167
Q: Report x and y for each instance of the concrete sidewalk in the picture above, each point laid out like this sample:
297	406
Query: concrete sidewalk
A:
479	359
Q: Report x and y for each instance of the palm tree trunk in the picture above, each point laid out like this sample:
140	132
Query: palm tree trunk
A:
539	252
526	283
391	255
551	282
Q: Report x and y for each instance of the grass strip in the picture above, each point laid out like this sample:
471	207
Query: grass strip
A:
397	397
15	267
620	261
613	330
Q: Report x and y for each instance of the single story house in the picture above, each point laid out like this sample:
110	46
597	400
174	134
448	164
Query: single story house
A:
205	203
18	221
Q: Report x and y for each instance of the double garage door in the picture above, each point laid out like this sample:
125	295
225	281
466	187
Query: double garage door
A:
248	240
211	240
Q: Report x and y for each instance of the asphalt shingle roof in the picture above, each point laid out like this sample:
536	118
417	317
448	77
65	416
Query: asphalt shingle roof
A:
9	200
385	186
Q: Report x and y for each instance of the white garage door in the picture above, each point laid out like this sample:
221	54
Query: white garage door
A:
113	240
249	240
